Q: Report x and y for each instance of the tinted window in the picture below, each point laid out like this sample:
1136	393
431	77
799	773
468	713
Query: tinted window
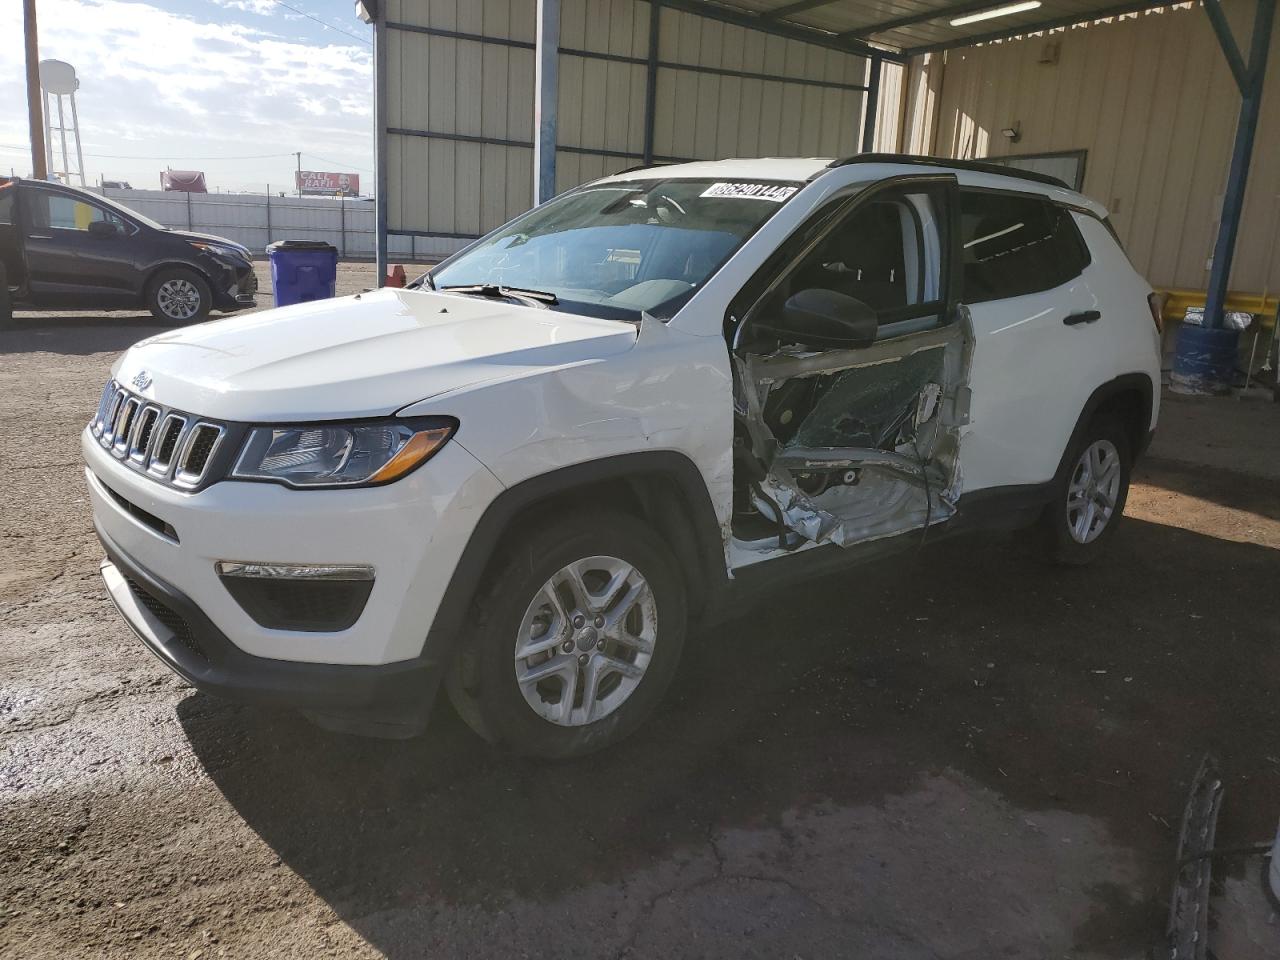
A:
58	211
886	253
875	256
9	257
1015	245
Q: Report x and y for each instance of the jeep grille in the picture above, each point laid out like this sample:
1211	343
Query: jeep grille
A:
170	446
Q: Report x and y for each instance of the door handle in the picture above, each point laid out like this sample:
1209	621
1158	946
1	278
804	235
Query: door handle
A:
39	236
1084	316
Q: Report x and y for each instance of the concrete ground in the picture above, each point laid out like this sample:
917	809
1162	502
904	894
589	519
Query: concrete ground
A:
964	754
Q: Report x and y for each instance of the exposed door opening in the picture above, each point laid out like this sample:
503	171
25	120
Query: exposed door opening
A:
851	382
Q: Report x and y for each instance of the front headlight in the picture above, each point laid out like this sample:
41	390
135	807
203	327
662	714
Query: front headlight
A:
341	454
224	250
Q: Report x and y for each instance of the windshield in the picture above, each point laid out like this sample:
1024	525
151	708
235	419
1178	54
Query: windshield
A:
618	249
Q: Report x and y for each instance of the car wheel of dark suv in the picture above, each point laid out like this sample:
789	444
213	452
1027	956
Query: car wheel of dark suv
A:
179	296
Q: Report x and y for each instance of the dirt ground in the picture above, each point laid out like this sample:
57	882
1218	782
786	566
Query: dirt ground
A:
962	754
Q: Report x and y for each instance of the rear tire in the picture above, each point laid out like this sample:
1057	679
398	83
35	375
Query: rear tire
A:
179	296
1088	500
575	637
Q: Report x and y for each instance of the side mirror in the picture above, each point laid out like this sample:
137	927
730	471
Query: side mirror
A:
103	229
825	318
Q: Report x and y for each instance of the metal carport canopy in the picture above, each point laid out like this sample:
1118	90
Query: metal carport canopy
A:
898	29
879	30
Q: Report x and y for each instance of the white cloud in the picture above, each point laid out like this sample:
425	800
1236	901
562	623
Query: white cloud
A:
158	84
261	7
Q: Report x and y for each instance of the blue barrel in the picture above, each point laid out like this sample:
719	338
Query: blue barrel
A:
302	270
1204	360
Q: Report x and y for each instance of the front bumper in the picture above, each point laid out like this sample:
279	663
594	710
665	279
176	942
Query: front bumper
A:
390	699
238	287
411	533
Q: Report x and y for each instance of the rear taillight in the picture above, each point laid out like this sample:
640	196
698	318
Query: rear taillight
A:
1156	302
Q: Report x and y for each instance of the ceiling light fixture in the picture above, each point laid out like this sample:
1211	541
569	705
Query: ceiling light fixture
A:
994	12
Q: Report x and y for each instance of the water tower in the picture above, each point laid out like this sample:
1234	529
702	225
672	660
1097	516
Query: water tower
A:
58	80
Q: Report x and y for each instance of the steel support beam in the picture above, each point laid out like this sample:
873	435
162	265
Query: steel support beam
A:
922	16
1242	151
1021	30
651	78
873	103
545	100
821	38
623	58
380	143
528	144
791	9
1228	44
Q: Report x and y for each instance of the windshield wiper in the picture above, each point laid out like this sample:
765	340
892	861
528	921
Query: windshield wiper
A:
498	291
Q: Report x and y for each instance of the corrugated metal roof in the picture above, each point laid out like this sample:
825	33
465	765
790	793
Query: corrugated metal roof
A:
916	26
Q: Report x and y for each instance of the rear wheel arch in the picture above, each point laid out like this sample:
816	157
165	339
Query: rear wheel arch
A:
156	269
1128	398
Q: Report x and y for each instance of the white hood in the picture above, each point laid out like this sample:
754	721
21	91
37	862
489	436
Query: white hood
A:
365	355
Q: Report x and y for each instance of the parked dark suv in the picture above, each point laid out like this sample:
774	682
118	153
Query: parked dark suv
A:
63	248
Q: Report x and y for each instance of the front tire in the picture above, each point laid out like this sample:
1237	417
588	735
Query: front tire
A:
179	296
1088	500
576	637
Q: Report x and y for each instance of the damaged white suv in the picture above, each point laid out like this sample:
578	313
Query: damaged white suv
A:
530	474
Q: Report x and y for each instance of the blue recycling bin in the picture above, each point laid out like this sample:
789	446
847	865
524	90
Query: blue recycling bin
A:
302	270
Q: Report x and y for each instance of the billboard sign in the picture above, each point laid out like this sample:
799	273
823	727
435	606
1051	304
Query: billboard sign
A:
313	183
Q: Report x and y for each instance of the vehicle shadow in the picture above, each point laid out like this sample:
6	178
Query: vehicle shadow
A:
77	335
1087	690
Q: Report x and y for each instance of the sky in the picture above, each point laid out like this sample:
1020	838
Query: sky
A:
230	87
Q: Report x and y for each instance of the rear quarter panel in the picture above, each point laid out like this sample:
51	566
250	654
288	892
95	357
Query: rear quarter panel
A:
1032	375
1133	340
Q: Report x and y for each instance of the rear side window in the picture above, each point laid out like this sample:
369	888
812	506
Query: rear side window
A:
60	212
1014	245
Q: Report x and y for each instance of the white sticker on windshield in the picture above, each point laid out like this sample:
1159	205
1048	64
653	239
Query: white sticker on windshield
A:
750	191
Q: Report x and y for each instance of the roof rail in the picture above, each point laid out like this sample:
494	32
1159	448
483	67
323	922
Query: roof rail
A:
664	162
978	166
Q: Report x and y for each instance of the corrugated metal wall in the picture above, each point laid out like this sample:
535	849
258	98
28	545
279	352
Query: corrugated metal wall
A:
256	220
706	116
459	103
601	104
1151	98
444	95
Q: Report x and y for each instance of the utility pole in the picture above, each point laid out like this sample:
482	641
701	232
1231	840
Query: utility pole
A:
298	180
35	116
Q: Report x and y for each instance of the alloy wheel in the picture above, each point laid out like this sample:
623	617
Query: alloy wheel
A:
1093	491
586	641
178	299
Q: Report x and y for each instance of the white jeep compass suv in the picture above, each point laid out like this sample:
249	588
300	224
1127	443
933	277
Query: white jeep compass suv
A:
532	473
